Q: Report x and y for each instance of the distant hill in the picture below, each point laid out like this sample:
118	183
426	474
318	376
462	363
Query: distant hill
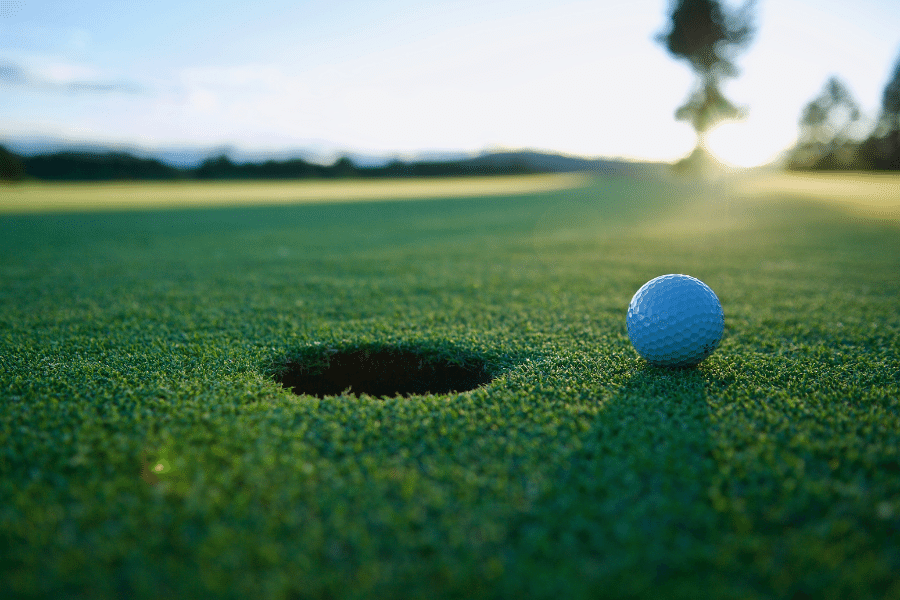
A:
548	162
180	157
57	159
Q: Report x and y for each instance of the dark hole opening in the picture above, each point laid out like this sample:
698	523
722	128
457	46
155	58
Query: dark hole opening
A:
383	372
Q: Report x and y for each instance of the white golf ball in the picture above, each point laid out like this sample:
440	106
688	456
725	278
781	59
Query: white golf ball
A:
675	321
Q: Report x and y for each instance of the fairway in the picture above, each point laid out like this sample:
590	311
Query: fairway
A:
34	197
147	449
869	194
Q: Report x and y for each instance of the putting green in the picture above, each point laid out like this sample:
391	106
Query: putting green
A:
147	448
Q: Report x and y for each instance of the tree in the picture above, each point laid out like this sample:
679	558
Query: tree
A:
826	126
11	168
890	104
884	144
342	167
217	167
707	36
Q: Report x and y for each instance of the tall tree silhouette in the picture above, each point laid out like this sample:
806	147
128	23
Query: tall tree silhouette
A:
707	36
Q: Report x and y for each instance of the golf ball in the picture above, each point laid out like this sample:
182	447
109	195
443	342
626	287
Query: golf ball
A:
675	321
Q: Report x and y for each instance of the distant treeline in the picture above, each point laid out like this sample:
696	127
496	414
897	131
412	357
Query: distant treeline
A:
108	166
833	136
875	153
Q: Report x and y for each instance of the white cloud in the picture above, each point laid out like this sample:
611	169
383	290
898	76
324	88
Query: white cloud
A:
52	74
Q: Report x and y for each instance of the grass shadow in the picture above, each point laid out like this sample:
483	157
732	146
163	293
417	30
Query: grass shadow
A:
631	503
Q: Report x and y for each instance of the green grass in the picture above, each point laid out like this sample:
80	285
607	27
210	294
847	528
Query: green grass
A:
43	196
146	452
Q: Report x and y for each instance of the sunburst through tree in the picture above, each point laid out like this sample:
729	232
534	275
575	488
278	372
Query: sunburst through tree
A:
707	36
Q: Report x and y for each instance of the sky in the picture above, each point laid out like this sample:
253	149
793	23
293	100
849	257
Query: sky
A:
402	76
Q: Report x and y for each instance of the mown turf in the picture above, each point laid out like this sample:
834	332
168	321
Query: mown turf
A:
146	451
41	197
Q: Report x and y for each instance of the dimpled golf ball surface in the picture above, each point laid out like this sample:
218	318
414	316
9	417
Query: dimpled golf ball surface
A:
675	321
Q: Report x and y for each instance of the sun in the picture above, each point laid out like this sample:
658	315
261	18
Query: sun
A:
746	143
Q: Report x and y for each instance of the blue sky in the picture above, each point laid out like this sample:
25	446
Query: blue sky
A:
402	76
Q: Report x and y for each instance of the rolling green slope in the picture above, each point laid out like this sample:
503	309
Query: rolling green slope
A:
146	451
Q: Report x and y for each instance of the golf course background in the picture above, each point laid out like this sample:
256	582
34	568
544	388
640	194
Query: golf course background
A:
146	450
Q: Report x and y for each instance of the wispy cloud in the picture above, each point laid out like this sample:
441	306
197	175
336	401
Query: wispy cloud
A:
11	74
99	87
15	75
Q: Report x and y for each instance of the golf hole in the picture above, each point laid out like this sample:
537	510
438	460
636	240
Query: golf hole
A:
381	372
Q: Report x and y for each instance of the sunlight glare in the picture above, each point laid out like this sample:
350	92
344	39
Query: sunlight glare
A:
746	144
